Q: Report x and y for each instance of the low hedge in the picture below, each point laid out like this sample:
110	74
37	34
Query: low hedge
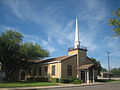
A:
62	80
70	80
38	79
77	81
54	80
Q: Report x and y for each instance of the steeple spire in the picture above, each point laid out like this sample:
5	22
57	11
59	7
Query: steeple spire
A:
77	42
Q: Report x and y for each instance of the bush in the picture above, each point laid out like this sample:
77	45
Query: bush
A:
42	79
67	80
54	80
38	79
29	79
77	81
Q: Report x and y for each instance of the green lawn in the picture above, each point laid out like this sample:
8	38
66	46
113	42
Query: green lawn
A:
26	84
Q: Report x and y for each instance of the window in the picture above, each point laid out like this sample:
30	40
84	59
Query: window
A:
53	70
34	72
46	70
69	70
82	59
40	71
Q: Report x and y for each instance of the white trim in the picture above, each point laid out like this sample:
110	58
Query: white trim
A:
93	76
87	75
52	62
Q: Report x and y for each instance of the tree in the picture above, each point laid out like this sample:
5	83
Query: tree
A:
116	72
10	42
103	70
115	22
97	63
14	53
31	51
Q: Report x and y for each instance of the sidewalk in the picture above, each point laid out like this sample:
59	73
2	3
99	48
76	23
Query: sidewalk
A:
59	86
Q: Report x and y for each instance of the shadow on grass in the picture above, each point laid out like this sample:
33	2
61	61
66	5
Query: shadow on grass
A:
105	80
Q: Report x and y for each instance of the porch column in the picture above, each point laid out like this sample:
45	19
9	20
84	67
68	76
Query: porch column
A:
78	73
93	76
87	75
20	74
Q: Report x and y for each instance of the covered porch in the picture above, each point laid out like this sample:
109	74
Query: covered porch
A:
87	73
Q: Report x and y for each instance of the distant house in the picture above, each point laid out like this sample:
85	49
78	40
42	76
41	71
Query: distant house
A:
106	75
74	65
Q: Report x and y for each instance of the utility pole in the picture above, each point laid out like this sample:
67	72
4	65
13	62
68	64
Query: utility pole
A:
108	53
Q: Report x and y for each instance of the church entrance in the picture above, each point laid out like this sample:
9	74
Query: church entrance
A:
83	76
22	75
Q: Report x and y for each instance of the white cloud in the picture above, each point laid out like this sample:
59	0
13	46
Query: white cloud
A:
96	11
87	40
5	28
47	46
36	39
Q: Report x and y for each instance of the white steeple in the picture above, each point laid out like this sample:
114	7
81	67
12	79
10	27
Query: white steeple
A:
77	42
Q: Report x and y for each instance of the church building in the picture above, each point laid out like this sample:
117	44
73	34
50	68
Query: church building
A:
74	65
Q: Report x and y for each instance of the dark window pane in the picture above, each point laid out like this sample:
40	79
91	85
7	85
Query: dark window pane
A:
40	71
69	70
53	70
34	72
46	70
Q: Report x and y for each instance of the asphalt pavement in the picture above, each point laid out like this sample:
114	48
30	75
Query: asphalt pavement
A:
107	86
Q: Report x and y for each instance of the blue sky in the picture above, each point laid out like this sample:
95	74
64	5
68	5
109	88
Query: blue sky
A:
51	23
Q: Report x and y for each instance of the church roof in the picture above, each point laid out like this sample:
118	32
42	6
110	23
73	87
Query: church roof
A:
85	66
51	60
57	59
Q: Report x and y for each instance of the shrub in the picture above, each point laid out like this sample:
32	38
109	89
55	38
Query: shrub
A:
54	80
38	79
43	79
66	80
77	81
29	79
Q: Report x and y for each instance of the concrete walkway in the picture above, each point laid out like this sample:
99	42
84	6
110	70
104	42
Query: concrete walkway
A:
59	86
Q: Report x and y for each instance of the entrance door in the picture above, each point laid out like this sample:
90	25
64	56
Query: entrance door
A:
83	76
22	75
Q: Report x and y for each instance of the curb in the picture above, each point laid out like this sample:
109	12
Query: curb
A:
50	87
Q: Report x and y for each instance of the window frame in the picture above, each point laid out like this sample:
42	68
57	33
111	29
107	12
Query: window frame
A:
82	59
69	70
53	70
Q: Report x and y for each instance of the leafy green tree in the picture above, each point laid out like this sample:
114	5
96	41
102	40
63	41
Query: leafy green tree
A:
116	72
97	63
115	22
10	43
14	53
103	70
30	51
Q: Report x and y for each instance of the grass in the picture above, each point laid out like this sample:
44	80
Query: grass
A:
26	84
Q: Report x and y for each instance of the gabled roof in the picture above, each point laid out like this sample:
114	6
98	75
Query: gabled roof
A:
85	66
35	60
56	59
